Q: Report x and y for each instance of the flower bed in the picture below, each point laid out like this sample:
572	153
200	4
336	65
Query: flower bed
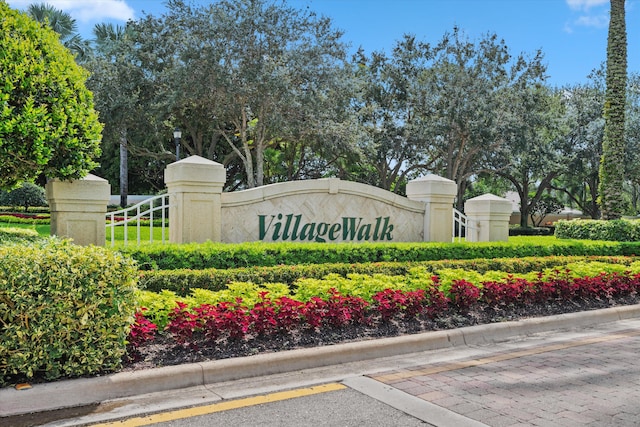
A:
270	317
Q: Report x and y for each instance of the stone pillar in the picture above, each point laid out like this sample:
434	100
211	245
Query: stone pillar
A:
489	215
195	186
438	194
78	209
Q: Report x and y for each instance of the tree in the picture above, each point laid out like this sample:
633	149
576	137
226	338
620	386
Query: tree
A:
462	106
545	205
63	24
584	127
27	194
47	121
534	151
113	81
632	140
613	145
393	144
252	74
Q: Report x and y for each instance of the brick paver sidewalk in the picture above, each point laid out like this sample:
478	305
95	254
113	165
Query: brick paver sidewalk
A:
586	382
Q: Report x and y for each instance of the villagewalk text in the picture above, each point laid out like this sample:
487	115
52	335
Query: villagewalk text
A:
288	227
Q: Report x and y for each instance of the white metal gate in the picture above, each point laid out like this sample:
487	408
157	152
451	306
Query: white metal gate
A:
152	209
461	226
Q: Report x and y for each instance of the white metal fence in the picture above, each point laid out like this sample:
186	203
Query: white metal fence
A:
461	226
152	210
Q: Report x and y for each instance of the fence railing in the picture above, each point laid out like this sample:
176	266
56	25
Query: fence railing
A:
461	226
151	210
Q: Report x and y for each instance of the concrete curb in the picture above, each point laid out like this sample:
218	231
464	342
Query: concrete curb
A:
86	391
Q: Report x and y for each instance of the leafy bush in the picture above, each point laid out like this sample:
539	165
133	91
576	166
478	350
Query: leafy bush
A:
531	231
18	235
15	218
65	309
619	230
47	121
31	210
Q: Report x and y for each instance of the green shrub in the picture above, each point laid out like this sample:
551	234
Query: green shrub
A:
182	281
531	231
31	210
222	255
18	235
65	309
47	120
619	230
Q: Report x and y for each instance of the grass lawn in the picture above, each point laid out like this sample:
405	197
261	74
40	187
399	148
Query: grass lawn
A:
132	233
45	230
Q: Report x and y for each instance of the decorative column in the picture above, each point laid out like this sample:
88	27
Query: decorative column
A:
195	186
489	216
438	195
78	209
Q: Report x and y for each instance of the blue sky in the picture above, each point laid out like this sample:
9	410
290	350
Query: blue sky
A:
571	33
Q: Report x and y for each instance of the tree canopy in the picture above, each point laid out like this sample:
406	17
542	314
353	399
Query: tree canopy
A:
47	121
268	90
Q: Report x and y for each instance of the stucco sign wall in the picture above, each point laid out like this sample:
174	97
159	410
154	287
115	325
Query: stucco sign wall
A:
323	210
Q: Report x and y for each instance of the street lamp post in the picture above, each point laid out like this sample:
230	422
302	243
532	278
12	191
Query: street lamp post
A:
177	134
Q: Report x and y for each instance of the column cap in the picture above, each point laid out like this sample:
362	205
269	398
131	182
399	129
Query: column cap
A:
431	186
195	171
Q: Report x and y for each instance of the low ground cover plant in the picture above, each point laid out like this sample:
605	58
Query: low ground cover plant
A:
24	218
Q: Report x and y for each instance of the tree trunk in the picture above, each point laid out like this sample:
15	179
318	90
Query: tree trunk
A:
524	209
124	168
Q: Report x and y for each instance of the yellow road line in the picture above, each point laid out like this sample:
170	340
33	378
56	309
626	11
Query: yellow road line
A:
501	357
223	406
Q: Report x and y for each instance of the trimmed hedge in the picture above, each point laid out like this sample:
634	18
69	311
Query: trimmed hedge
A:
65	310
619	230
531	231
222	256
183	280
18	235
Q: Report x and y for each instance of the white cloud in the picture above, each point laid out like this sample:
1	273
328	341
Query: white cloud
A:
585	4
591	14
86	11
597	21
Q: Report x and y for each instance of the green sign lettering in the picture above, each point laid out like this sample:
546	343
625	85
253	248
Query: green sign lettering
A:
289	227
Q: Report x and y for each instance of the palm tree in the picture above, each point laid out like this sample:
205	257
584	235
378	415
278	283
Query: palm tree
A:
108	43
612	162
107	36
63	24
